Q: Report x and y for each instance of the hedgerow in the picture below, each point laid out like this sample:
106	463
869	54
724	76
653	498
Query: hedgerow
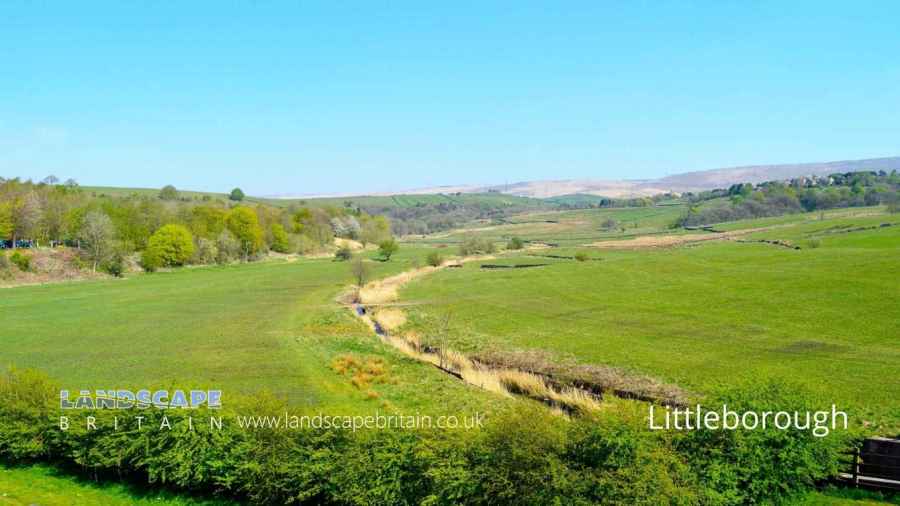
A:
525	455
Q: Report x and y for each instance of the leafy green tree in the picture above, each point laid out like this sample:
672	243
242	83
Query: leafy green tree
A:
374	229
280	240
244	224
170	246
387	248
236	195
168	193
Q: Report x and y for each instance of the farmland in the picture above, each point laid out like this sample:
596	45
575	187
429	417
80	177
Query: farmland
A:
701	315
271	326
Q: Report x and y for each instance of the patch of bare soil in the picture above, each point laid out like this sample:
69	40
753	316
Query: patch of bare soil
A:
47	266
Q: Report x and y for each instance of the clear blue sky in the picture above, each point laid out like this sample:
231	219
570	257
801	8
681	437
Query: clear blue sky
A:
319	97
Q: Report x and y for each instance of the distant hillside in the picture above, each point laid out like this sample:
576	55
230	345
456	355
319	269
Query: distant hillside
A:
688	181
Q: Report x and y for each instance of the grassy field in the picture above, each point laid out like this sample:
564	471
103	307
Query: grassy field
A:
271	326
700	315
46	486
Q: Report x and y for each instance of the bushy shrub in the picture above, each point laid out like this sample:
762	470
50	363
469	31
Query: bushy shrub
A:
762	466
434	259
813	243
343	254
280	242
115	264
581	256
170	246
4	264
23	262
387	248
515	243
150	261
474	246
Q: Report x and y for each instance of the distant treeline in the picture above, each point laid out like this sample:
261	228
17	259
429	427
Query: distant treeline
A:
425	218
807	193
169	229
595	202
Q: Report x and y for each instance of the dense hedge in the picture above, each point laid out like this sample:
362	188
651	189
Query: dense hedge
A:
526	456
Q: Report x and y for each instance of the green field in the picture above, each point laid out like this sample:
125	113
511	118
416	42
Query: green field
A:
272	326
46	486
700	315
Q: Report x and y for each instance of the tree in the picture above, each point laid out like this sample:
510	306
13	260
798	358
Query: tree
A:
434	259
361	271
6	221
515	243
280	241
50	180
170	246
387	248
236	195
374	229
96	234
71	183
228	247
168	193
26	216
244	224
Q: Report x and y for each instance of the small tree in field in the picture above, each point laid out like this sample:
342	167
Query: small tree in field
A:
361	271
236	195
515	243
434	259
387	248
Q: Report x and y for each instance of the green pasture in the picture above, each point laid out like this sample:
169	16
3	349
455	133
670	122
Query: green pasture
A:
700	315
272	326
47	486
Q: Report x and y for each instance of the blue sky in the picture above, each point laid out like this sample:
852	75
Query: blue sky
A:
352	97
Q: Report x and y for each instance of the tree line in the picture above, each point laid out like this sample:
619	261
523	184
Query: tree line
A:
801	194
169	229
